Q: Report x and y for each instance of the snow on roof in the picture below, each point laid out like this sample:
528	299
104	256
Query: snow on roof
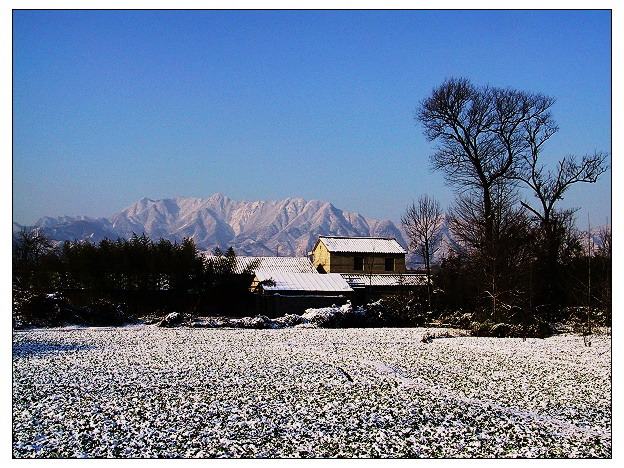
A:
377	245
288	264
407	279
284	264
286	281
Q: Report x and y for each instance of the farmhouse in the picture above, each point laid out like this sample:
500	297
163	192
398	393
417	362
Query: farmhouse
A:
285	285
374	267
365	255
359	269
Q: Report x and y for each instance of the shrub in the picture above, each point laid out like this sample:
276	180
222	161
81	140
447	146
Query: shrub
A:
288	320
104	313
538	328
172	319
500	330
458	319
37	309
335	317
534	328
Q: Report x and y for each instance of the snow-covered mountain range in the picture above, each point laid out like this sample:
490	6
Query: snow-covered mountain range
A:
287	227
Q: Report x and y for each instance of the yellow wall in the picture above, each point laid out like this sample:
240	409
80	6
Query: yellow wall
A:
321	257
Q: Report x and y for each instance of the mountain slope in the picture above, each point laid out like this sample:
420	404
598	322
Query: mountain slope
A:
287	227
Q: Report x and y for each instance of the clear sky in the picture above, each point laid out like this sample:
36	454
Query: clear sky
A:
113	106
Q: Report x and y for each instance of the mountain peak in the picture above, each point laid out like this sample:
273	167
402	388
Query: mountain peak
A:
218	196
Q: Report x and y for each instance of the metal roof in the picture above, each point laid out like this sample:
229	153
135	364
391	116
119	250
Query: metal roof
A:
407	279
288	264
371	245
286	281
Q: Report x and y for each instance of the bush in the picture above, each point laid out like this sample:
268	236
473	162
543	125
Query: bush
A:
503	330
389	312
288	320
458	319
37	309
171	319
54	310
539	329
534	328
257	322
103	313
481	328
335	317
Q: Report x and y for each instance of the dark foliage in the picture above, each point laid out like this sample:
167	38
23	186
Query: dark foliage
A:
225	285
115	281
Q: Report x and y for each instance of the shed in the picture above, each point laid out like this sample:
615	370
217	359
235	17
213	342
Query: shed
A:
368	288
296	283
281	293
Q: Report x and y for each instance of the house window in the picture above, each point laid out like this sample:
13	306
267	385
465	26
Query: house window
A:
358	263
389	264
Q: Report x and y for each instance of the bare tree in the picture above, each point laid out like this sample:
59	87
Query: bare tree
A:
497	265
422	222
603	248
29	245
603	252
549	187
29	248
481	136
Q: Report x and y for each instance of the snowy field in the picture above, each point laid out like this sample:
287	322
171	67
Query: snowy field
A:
304	392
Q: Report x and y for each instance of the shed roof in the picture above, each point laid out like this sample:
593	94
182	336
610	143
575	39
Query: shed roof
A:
289	264
377	245
407	279
286	281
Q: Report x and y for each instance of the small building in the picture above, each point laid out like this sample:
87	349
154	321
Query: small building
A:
279	293
300	283
364	255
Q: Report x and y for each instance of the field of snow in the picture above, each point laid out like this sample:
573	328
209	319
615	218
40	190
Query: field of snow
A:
304	392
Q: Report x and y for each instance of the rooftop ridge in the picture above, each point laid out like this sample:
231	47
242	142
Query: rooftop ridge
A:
348	244
358	237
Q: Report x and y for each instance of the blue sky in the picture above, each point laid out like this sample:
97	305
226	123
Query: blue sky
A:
112	106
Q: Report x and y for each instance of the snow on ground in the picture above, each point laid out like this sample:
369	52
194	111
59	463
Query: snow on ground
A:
303	392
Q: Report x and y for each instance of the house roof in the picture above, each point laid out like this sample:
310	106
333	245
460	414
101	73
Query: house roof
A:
377	245
286	281
270	264
407	279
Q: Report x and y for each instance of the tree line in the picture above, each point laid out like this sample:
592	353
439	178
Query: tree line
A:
516	258
123	278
